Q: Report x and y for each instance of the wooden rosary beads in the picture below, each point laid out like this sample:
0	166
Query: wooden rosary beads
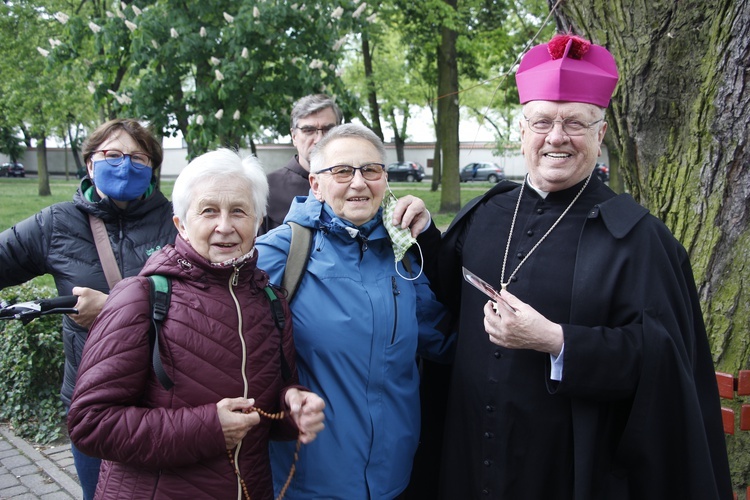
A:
270	416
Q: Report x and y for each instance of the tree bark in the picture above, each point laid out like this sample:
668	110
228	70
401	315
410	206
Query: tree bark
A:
448	117
437	167
75	148
42	172
398	138
372	97
680	119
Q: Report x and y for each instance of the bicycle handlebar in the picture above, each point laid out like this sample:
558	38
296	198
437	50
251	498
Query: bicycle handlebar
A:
66	301
27	311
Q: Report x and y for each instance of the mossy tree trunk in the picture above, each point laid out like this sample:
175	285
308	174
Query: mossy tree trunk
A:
680	120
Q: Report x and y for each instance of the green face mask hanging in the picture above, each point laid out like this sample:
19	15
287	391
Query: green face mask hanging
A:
401	238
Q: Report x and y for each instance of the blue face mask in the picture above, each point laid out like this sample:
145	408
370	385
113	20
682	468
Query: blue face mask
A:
123	182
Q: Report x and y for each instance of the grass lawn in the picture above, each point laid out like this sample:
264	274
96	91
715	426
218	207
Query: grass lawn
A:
19	197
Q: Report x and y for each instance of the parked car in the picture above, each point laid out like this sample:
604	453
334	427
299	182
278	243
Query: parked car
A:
12	170
482	171
409	171
602	171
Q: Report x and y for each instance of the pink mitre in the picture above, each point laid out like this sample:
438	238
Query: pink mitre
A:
568	68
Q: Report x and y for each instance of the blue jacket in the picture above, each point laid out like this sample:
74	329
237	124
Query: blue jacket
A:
358	328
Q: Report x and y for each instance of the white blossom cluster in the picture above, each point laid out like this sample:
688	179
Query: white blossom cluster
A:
121	98
336	15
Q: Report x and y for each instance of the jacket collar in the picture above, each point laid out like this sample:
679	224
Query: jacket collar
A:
309	212
88	200
619	212
183	262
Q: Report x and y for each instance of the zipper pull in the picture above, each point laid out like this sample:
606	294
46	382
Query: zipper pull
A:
235	276
394	285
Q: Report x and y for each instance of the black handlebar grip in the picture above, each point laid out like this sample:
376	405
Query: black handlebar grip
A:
66	301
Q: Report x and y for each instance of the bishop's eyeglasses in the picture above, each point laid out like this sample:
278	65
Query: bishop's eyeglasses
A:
345	173
570	126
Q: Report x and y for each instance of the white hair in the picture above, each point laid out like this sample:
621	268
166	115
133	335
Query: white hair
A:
222	162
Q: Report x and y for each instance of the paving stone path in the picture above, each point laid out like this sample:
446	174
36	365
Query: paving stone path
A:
29	472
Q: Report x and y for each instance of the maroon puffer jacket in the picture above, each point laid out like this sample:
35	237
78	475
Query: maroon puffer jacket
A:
169	444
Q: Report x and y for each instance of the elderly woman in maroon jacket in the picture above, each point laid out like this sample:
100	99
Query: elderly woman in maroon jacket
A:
207	436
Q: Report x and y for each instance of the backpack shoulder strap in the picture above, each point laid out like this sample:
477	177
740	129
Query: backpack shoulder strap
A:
296	260
277	312
160	296
104	249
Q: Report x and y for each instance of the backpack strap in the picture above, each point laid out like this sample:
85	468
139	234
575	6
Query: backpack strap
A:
277	312
104	249
296	260
160	296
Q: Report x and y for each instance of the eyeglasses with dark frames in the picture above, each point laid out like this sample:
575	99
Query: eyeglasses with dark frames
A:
570	126
345	173
115	157
310	130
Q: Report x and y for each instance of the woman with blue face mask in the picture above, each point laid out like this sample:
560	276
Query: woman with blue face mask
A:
121	168
120	193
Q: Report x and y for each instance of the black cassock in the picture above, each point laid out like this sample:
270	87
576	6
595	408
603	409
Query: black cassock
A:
636	414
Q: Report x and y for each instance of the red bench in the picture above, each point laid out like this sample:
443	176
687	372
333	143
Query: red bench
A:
729	386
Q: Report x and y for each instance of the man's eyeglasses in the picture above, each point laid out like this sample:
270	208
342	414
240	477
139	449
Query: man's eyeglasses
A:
570	126
115	157
345	173
310	130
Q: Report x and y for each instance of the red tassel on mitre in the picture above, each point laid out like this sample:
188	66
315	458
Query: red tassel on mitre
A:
557	44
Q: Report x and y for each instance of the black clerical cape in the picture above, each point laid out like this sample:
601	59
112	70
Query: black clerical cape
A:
636	414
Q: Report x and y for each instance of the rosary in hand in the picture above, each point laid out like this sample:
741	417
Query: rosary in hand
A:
270	416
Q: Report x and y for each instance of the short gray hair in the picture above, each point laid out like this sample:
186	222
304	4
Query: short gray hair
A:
353	130
222	162
312	104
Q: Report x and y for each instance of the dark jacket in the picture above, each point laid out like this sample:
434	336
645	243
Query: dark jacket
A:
637	410
218	341
58	241
284	184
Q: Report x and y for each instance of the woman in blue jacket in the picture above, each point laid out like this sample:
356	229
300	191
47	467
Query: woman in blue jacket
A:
358	326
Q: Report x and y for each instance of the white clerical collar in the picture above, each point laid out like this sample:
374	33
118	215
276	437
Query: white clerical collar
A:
541	193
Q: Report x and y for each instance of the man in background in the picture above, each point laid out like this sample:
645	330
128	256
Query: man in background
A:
312	117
